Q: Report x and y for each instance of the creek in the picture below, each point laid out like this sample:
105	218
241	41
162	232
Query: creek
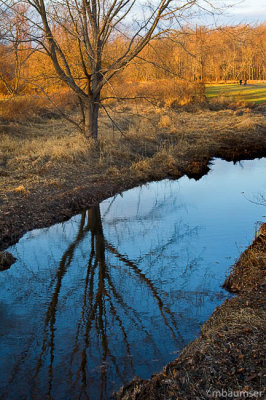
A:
120	289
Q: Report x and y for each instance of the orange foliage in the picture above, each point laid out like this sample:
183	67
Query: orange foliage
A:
168	70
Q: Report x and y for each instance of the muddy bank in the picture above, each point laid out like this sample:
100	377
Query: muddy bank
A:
48	173
44	206
6	260
228	358
37	192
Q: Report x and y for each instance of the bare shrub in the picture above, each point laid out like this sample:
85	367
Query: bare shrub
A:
165	121
29	106
169	92
65	99
20	108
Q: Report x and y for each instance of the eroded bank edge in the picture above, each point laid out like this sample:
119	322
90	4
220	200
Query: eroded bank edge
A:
227	360
34	213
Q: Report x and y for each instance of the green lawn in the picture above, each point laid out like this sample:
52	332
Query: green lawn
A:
255	93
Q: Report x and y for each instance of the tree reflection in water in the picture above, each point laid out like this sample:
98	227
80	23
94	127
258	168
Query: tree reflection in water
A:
103	302
122	300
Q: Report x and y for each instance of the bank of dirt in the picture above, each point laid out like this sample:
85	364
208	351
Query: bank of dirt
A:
227	360
48	172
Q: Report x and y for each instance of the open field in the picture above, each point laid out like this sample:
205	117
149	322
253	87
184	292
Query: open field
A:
254	93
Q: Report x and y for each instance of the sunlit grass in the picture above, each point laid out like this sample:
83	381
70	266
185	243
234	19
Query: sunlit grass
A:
255	93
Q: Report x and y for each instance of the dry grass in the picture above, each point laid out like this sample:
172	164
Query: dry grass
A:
72	148
248	273
29	107
165	121
165	92
247	123
151	144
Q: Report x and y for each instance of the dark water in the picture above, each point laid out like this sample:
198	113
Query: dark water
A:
120	289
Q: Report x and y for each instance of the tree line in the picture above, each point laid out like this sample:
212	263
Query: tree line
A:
193	54
224	54
88	46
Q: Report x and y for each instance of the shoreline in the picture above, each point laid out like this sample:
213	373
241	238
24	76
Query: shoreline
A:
227	360
49	173
214	361
38	213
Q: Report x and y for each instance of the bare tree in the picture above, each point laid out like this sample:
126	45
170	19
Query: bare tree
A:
93	25
15	47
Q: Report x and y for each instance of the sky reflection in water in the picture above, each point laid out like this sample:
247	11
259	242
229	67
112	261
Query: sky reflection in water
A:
120	289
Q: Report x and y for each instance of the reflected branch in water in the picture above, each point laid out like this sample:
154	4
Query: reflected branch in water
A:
100	311
154	291
101	295
51	312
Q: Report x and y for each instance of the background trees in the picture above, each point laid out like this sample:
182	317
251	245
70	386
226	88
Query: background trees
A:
75	34
77	48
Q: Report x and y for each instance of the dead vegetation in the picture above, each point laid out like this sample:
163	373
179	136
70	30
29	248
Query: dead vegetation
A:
172	93
150	144
6	260
48	161
49	171
249	272
35	107
228	357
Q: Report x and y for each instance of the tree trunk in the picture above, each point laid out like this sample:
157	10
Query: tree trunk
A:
91	118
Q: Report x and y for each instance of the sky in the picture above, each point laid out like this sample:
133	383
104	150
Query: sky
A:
248	11
233	12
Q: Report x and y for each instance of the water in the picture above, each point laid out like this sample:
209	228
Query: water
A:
120	289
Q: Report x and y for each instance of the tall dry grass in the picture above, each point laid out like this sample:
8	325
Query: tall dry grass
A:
152	145
166	92
39	150
26	107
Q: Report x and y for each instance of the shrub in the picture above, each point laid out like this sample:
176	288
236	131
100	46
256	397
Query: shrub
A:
165	92
30	106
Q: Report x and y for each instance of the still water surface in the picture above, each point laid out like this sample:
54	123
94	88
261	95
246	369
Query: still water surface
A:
118	290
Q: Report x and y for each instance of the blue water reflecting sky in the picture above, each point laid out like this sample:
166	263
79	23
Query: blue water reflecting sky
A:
120	289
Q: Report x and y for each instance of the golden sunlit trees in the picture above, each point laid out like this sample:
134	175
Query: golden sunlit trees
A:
91	25
15	49
80	46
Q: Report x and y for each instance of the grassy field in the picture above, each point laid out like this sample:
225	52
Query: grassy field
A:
255	93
